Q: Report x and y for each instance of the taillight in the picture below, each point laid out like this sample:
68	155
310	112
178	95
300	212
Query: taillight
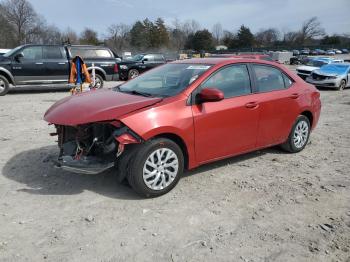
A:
116	68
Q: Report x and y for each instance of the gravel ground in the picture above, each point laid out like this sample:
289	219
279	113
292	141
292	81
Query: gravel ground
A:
262	206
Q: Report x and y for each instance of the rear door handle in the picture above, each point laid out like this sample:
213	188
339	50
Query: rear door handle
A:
294	96
62	63
39	63
252	105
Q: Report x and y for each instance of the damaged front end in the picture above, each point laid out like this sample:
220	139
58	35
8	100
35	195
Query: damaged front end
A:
92	148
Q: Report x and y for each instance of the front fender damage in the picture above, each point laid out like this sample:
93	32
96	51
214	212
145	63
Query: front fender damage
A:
93	148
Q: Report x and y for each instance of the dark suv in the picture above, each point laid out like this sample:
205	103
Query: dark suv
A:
50	64
138	64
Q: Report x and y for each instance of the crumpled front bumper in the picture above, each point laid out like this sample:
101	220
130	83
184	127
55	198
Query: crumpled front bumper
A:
85	165
333	83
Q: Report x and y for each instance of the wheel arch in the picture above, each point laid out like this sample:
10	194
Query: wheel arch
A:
98	71
309	115
179	141
5	73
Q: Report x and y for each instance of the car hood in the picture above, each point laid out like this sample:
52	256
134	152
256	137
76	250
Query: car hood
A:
4	59
307	68
95	106
330	71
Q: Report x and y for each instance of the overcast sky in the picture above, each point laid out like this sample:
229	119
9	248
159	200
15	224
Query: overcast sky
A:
282	14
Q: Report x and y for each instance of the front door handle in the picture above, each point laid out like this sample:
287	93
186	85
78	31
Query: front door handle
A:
39	63
63	63
294	96
251	105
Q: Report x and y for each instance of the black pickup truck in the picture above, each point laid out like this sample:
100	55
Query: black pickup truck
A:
50	64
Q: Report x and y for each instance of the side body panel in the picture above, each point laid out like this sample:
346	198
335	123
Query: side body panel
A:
171	116
225	128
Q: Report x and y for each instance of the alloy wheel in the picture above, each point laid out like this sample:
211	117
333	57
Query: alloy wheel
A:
98	83
134	74
301	133
160	169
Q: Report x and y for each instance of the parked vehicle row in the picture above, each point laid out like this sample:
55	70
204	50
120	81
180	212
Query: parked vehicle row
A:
317	51
50	64
182	115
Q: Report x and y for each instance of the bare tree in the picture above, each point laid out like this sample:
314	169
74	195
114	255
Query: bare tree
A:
217	32
177	36
267	37
69	36
310	29
7	39
117	36
190	27
290	37
89	37
21	15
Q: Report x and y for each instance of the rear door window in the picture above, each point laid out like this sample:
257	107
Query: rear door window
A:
150	58
268	78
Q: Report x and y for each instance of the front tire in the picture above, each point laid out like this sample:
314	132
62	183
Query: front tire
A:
299	135
4	85
342	85
156	167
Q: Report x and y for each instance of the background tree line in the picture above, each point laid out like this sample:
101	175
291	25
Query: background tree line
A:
21	24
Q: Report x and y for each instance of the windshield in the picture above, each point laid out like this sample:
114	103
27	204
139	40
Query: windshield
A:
164	81
137	57
13	51
316	63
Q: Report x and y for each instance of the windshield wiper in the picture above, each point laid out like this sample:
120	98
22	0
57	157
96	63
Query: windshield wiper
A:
139	93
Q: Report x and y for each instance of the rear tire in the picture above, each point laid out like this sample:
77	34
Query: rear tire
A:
99	82
4	85
133	73
299	135
165	164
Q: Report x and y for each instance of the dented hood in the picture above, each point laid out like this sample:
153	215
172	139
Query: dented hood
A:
95	106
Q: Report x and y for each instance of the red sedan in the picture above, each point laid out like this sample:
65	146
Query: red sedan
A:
182	115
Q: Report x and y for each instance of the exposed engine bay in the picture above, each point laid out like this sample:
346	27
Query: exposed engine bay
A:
92	148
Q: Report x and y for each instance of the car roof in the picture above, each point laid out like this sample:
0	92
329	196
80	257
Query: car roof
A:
217	61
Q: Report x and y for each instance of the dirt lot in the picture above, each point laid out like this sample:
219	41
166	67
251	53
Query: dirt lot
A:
263	206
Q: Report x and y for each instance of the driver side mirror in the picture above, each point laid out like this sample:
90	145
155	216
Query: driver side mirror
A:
18	57
210	95
144	60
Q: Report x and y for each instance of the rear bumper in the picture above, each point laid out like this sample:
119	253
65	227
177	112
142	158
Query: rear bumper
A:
114	77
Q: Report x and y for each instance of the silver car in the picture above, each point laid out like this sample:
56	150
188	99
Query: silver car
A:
335	76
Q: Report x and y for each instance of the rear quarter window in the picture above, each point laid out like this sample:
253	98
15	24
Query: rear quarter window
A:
103	53
91	53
